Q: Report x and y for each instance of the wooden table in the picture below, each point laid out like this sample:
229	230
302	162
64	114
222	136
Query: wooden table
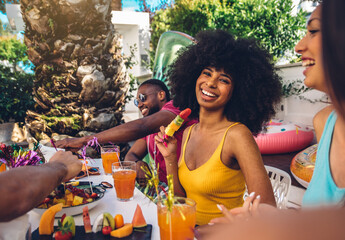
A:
282	161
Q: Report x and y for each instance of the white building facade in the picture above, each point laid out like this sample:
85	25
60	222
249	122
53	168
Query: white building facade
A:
134	27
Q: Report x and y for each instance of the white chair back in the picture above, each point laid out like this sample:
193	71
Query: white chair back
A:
281	183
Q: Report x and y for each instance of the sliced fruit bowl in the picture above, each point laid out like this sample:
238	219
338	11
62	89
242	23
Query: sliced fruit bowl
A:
73	198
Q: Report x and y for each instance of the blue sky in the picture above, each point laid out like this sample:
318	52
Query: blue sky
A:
132	5
127	5
3	17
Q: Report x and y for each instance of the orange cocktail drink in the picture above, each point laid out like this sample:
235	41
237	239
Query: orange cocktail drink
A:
109	155
178	223
2	167
124	174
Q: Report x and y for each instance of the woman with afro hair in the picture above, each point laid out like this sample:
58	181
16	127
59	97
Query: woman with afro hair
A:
231	87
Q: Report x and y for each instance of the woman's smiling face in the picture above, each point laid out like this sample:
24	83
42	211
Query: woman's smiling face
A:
213	88
310	47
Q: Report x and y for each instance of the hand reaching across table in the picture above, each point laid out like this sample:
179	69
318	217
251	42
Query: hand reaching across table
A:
73	165
27	186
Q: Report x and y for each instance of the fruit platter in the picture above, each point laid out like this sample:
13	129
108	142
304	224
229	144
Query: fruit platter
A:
73	196
105	226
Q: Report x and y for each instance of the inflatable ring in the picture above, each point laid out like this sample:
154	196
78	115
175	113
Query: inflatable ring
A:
168	46
284	137
303	164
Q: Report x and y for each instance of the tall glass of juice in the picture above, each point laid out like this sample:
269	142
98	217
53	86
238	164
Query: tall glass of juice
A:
109	154
2	167
179	222
124	174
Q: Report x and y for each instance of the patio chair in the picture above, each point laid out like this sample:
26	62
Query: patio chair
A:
281	183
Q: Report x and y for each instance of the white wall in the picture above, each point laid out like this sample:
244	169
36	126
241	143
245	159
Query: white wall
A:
15	18
299	109
135	30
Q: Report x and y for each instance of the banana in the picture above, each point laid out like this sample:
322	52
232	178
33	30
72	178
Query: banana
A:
98	224
108	217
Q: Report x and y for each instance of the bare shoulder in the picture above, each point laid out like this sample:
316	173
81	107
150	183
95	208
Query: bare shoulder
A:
239	144
237	137
320	120
239	131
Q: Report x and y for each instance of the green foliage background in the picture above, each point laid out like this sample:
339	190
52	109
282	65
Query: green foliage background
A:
15	94
14	51
15	86
269	21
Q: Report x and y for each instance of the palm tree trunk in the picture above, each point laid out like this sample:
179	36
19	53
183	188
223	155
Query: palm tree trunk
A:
81	80
116	5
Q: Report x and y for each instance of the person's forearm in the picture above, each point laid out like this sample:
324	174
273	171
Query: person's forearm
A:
136	129
124	133
25	187
130	156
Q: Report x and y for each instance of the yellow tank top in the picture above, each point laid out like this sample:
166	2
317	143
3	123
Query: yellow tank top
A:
212	183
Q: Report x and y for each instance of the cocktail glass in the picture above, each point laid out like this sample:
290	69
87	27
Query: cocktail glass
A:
109	154
179	222
2	167
124	174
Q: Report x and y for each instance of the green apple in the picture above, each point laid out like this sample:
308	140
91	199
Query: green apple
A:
70	221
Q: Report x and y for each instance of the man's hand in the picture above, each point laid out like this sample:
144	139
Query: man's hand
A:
73	165
73	144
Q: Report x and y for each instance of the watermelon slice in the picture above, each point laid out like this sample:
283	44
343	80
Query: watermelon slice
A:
138	218
86	220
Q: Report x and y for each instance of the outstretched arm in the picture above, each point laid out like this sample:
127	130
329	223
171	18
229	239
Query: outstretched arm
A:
25	187
125	132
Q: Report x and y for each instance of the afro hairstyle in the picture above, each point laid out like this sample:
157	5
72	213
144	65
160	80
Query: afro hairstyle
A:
257	86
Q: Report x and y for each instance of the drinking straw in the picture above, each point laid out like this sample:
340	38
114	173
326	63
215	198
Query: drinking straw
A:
53	143
151	174
118	157
92	142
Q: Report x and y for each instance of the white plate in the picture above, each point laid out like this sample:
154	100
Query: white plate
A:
74	210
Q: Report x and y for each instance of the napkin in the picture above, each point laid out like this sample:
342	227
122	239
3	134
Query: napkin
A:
17	229
48	152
